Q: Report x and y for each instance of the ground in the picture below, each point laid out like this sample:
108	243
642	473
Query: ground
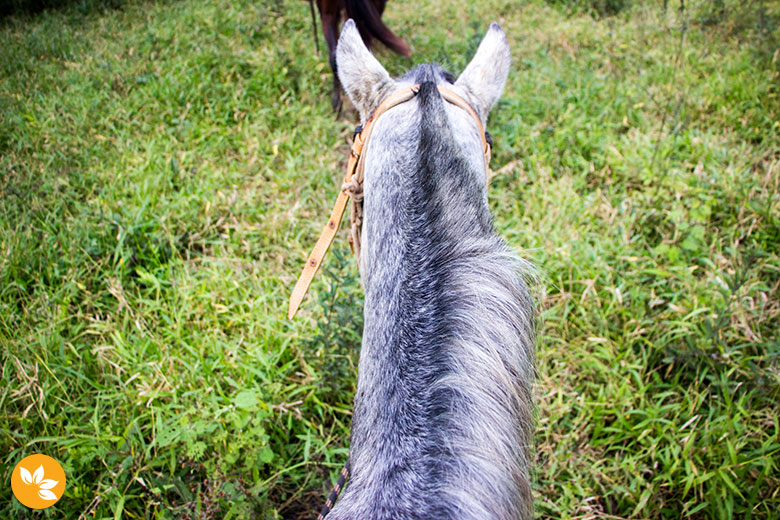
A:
166	166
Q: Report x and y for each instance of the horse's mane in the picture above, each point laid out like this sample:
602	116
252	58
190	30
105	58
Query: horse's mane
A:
443	428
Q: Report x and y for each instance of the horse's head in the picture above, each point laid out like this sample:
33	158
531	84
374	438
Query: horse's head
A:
425	140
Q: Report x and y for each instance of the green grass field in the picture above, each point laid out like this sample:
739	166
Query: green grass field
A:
166	166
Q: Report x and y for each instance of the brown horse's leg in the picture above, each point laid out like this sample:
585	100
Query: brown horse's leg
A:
368	18
330	13
380	6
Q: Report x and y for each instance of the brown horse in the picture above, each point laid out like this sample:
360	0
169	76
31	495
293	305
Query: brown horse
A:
368	18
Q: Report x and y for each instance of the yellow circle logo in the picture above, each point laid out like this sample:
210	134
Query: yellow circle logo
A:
38	481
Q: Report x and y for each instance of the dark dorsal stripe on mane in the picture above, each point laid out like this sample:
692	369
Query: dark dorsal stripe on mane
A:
443	171
442	415
420	342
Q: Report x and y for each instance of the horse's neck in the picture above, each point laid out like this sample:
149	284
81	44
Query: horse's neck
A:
422	210
429	350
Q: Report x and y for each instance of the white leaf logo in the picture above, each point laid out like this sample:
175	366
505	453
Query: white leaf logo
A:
48	483
26	477
46	494
38	475
44	485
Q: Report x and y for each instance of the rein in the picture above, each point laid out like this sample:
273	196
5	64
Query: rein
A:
334	492
352	187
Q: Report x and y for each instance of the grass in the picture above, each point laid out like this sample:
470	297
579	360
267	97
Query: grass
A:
166	166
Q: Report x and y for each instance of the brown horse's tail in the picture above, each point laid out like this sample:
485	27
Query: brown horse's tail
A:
369	22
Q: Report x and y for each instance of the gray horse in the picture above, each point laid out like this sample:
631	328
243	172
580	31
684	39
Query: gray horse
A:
443	420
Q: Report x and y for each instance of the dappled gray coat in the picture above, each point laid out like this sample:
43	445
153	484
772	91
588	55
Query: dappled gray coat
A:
442	420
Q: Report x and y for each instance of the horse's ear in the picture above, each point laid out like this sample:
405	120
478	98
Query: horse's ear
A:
483	79
364	79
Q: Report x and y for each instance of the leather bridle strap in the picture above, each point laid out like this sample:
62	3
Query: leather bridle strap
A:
355	169
458	101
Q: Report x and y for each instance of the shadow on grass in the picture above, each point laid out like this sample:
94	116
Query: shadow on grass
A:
18	7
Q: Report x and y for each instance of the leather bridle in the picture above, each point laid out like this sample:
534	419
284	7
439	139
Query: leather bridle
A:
352	187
